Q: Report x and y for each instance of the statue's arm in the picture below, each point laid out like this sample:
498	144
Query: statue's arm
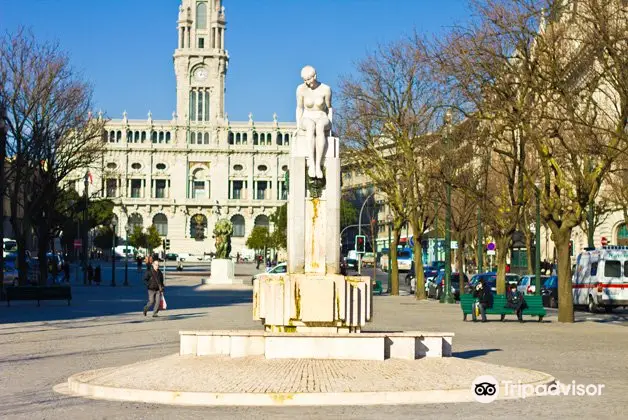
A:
330	109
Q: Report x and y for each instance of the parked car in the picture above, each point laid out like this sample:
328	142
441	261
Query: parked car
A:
171	256
490	279
512	278
527	284
435	286
279	269
10	274
549	292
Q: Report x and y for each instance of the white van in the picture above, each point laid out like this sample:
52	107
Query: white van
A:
125	251
600	278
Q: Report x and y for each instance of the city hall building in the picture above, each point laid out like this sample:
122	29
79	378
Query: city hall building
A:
184	174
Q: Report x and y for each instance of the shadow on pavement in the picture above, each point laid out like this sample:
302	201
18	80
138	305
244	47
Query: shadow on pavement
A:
470	354
99	301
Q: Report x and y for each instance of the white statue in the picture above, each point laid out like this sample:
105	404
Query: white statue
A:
314	116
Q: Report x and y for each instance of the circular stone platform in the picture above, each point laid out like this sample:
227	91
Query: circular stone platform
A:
256	381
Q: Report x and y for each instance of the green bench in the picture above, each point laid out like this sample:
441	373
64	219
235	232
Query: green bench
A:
38	293
377	287
534	302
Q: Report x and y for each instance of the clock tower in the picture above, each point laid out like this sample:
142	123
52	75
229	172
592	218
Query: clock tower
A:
200	63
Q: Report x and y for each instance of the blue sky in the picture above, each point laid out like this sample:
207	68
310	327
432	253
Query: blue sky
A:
124	47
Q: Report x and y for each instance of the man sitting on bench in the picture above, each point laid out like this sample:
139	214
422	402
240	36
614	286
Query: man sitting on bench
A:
484	298
515	300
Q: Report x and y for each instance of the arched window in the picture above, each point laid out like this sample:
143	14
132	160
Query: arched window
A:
238	138
238	226
262	220
193	105
118	135
168	137
200	183
136	137
135	219
161	223
201	15
230	137
279	139
622	237
154	137
244	135
129	136
286	139
192	137
161	137
143	136
255	139
206	138
198	225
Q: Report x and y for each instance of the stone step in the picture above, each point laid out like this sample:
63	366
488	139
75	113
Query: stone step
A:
406	345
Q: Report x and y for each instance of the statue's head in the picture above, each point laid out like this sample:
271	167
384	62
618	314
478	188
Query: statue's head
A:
308	74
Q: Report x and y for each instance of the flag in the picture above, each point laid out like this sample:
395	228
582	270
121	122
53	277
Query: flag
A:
88	175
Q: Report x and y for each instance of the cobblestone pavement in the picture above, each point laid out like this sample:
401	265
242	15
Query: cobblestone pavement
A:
225	375
42	346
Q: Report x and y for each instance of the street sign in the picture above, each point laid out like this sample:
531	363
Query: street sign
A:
490	252
604	241
491	247
78	243
411	241
454	244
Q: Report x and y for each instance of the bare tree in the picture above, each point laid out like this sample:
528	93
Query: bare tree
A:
388	110
51	133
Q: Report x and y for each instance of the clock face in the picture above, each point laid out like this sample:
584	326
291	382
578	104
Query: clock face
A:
200	74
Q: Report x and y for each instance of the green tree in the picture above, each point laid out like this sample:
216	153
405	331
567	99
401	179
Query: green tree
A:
137	238
348	213
153	238
259	238
279	237
104	238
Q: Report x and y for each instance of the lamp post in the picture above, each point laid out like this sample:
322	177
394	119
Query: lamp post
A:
126	256
537	239
113	253
480	240
389	220
446	296
360	230
85	228
436	237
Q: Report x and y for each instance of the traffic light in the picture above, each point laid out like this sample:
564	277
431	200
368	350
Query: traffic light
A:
166	244
360	244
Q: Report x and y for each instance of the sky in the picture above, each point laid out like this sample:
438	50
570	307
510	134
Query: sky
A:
124	47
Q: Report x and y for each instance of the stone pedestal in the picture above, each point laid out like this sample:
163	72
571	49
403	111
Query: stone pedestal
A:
222	272
310	302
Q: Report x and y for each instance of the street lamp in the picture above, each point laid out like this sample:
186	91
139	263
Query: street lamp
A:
126	255
85	228
113	253
389	220
537	239
446	296
360	230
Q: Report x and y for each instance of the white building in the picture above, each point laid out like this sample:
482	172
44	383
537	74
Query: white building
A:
185	173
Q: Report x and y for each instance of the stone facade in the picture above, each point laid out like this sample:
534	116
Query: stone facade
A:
185	173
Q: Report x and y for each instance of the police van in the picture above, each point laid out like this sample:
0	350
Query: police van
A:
600	278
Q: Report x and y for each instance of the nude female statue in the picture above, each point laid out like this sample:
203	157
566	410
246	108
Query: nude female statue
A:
314	116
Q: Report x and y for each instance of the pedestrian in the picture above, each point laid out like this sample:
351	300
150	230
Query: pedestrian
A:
484	299
154	281
97	276
267	262
259	261
66	271
139	263
516	301
238	258
90	273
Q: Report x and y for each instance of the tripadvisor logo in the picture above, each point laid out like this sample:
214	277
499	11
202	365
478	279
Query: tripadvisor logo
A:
486	389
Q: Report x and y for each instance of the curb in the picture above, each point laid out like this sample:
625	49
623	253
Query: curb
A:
75	387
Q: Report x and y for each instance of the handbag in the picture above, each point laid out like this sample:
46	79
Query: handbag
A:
162	303
476	308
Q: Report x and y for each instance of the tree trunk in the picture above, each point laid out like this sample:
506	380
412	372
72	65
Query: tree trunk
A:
565	294
418	267
460	252
394	268
502	254
42	245
529	255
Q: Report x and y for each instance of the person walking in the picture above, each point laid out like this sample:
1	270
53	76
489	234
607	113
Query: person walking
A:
154	281
484	299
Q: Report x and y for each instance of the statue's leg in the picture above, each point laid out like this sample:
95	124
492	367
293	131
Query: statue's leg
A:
309	127
322	126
